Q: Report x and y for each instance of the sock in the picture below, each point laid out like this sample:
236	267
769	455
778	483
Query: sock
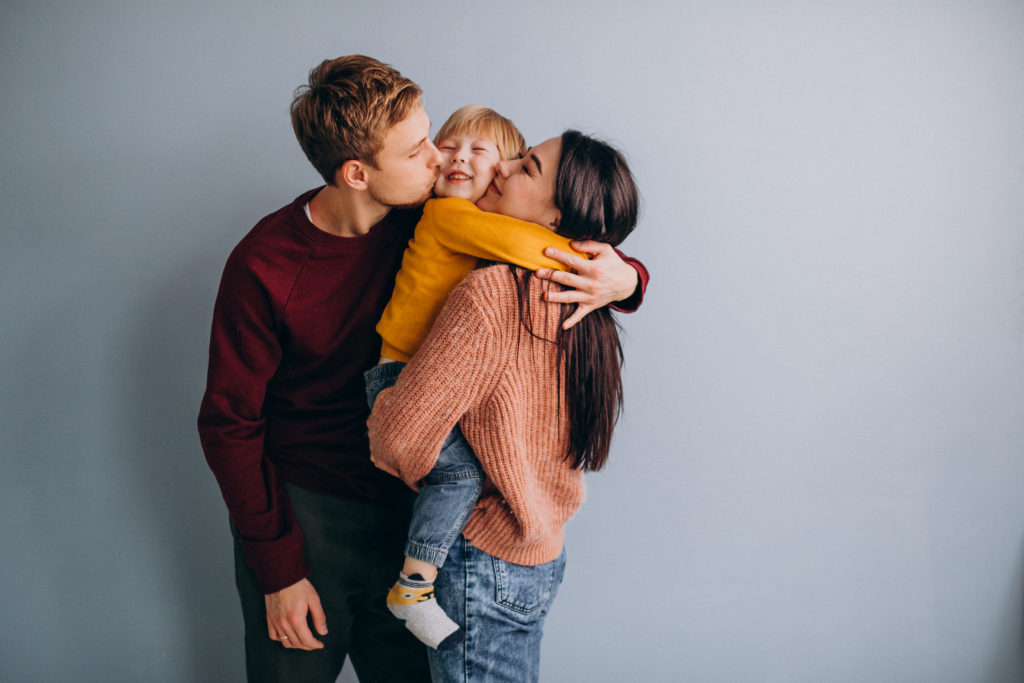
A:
411	599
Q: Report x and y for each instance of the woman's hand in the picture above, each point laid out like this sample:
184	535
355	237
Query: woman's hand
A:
593	283
384	467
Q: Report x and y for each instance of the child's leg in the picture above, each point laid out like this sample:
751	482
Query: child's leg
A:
445	501
441	509
449	491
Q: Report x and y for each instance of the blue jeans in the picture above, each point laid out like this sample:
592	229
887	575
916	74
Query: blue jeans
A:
449	491
502	606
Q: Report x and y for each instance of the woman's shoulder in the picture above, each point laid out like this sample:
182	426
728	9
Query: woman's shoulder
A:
490	282
491	289
496	291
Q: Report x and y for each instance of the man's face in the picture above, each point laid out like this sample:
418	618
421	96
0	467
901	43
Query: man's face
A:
468	166
407	164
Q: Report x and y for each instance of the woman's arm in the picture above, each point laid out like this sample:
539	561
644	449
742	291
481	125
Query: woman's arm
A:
453	370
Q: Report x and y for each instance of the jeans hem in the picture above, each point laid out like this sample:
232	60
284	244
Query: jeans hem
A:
435	556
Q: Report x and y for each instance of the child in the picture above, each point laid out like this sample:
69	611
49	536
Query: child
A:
452	235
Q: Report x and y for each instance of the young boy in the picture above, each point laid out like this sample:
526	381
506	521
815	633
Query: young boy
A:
449	239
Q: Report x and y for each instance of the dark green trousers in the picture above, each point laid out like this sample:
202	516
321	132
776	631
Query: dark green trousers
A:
355	551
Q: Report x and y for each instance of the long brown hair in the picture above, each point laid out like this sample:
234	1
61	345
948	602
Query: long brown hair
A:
598	200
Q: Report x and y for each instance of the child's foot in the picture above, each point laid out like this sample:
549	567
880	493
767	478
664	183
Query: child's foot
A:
412	600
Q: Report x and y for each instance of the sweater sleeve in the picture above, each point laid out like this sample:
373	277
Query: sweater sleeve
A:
244	354
464	228
454	370
632	303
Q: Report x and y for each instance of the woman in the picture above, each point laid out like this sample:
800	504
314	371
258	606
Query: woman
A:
536	403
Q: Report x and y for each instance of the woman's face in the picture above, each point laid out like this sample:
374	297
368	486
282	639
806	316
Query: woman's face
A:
525	188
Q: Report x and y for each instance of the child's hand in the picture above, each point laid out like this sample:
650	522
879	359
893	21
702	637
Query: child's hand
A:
593	283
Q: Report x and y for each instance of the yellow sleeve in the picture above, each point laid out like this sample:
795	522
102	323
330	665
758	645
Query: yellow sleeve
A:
465	229
450	237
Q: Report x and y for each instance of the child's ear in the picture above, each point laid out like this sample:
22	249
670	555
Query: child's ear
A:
557	220
351	173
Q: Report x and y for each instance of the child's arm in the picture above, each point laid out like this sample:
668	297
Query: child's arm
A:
460	226
598	274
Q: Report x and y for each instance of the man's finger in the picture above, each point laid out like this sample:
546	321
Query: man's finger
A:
303	635
590	247
566	279
577	315
568	296
287	637
571	260
316	612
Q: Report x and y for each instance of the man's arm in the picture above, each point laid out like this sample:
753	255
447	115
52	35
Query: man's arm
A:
244	355
608	277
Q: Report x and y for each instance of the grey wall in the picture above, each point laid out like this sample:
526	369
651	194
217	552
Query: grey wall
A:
819	474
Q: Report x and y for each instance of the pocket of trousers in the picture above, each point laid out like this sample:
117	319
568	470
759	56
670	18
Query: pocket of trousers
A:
523	589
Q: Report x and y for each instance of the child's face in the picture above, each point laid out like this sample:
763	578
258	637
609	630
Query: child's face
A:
467	166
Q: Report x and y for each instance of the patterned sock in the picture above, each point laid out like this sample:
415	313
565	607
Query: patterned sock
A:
411	599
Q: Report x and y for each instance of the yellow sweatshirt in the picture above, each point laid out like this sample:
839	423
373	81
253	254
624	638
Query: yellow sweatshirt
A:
449	239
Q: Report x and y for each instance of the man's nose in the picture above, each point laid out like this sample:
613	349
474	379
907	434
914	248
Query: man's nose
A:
435	157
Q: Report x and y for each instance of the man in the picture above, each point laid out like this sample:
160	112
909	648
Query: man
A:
317	528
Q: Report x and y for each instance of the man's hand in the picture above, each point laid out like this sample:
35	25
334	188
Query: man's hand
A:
286	616
594	283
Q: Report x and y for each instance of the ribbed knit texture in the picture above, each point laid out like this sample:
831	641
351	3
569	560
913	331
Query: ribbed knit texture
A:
450	237
481	369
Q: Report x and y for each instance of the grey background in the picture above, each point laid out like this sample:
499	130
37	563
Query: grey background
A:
819	473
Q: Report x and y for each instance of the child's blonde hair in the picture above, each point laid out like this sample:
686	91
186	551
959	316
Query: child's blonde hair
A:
473	119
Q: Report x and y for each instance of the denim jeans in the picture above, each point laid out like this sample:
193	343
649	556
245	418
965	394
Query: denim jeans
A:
449	491
351	547
502	606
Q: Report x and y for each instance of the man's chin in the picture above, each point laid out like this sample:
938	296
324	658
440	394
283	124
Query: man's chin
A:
408	204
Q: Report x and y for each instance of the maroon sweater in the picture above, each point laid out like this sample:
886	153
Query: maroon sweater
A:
293	332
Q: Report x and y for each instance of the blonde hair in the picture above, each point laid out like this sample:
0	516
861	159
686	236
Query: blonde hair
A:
473	119
347	109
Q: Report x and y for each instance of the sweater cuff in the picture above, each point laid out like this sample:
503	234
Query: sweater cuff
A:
633	301
276	564
389	351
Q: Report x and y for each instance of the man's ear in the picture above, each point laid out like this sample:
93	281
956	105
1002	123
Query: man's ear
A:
557	220
351	173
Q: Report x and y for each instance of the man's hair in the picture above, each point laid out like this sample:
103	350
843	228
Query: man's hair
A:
473	119
347	109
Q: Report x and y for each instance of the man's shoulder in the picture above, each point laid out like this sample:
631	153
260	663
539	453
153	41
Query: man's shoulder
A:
274	249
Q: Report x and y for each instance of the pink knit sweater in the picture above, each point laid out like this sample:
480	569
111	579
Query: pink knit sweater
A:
481	369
